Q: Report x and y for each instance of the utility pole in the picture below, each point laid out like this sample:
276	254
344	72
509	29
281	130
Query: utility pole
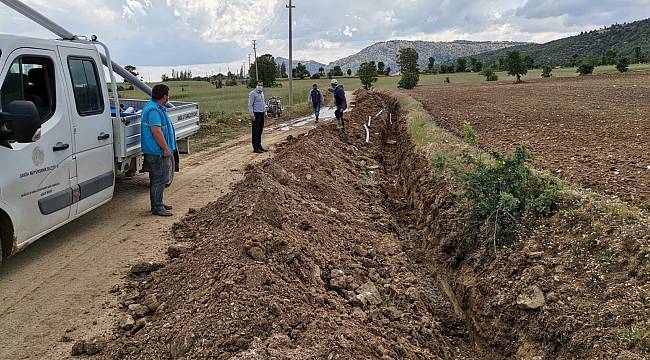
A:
249	65
290	7
257	74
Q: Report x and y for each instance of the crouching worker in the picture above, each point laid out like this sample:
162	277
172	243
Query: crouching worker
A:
158	142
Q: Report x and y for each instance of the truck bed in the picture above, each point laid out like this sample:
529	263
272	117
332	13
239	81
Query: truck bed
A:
184	116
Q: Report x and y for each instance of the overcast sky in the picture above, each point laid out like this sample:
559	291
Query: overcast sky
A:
164	33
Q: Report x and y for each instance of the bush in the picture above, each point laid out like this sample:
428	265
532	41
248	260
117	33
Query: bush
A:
622	64
546	72
586	69
231	82
120	88
490	75
501	192
315	76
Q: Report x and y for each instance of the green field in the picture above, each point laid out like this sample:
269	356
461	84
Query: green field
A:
225	109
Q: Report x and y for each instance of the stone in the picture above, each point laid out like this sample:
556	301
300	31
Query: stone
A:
139	310
338	283
275	309
127	322
336	273
181	344
175	251
393	314
94	345
368	294
535	254
151	302
257	253
141	323
359	314
391	142
78	348
532	298
145	268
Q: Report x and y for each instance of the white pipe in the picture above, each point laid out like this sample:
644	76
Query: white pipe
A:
380	112
390	118
369	121
367	133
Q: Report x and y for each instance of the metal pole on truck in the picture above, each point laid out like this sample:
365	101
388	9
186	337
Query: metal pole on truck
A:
290	7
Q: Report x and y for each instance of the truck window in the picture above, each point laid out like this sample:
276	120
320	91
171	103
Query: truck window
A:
85	84
31	78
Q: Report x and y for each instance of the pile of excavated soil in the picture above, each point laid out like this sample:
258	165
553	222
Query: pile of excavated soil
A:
301	260
592	130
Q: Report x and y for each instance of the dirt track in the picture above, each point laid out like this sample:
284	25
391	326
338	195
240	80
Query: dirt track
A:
593	131
57	290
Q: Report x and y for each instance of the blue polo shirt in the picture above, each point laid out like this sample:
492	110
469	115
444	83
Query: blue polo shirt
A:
154	114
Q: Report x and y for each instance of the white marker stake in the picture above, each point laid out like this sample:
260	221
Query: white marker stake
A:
369	121
367	133
380	112
391	118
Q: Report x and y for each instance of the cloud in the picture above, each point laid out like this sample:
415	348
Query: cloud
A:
170	32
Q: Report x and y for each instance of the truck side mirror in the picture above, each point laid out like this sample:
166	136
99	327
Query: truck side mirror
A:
22	120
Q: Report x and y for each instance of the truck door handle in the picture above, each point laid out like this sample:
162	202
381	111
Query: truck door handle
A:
60	147
103	136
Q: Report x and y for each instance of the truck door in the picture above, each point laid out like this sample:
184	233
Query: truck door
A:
35	177
91	126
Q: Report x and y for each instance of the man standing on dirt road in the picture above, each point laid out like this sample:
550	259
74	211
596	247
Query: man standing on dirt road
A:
316	99
158	143
257	108
340	101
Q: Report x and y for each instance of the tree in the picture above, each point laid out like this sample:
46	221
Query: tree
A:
575	60
529	62
622	64
609	57
408	62
337	71
368	74
387	71
301	71
475	64
546	71
321	71
267	68
432	64
515	65
349	72
587	66
131	69
638	56
380	67
461	65
283	71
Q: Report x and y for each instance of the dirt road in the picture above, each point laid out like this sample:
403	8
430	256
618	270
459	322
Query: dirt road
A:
52	293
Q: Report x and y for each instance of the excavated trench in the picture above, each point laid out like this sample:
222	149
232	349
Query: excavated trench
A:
333	249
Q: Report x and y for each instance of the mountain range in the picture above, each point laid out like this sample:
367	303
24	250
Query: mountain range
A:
311	65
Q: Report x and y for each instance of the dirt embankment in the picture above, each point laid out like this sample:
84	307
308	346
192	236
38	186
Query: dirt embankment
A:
593	131
301	260
336	249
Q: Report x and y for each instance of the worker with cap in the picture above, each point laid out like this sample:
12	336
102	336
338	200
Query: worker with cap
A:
340	102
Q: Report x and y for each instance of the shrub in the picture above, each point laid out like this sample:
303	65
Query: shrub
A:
622	64
447	81
315	76
586	69
546	71
120	88
469	134
502	191
490	75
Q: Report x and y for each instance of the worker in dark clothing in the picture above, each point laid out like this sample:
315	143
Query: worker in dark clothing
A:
257	108
340	102
316	99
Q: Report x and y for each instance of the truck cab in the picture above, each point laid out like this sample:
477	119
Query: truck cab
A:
60	145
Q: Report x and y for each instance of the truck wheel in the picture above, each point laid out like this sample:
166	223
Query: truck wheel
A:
172	169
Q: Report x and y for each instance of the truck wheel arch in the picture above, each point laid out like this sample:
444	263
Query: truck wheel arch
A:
6	235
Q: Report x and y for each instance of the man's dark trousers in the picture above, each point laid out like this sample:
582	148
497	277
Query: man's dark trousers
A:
158	178
258	128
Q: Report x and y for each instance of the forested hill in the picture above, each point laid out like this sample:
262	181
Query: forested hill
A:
442	52
621	38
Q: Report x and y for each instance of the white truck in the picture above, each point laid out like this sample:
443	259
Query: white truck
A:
60	144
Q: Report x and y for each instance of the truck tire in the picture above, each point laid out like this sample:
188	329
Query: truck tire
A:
172	170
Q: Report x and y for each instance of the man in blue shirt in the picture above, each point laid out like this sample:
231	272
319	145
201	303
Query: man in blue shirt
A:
257	108
316	99
158	142
340	101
